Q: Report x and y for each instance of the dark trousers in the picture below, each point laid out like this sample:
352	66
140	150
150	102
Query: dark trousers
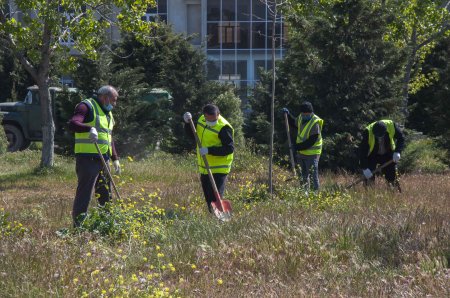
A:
90	177
310	168
208	191
389	172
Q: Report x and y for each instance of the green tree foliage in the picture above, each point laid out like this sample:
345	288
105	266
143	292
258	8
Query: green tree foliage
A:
172	63
340	62
14	79
430	107
36	38
416	29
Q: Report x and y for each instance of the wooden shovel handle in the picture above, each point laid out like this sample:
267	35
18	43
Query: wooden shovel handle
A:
377	170
105	166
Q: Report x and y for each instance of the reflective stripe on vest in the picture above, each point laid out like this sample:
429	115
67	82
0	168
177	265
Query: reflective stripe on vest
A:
209	137
104	128
390	130
303	135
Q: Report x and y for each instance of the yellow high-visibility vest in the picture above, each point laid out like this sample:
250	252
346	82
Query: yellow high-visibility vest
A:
303	135
390	130
104	128
209	137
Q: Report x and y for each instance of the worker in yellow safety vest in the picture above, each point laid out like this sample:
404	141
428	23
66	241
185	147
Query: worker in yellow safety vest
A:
93	122
308	145
216	137
382	141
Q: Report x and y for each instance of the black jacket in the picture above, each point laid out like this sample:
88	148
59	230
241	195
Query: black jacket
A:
364	146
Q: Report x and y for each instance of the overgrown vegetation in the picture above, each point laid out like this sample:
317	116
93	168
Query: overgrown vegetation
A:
424	156
161	241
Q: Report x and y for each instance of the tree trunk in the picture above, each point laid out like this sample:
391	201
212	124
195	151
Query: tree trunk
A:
48	126
272	104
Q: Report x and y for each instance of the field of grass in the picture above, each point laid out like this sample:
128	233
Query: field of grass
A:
160	240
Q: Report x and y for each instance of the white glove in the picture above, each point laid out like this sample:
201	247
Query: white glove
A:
203	150
367	173
116	165
396	157
187	117
93	135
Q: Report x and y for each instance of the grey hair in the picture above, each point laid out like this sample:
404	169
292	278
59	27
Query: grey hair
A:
107	90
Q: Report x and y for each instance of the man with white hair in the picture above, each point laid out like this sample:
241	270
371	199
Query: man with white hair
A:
92	123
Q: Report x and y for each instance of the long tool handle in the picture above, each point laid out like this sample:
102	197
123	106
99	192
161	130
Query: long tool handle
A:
291	153
105	166
211	178
377	170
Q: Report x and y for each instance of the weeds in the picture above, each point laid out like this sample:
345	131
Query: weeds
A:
160	240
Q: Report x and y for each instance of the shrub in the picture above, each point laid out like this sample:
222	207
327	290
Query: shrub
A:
230	107
423	155
3	140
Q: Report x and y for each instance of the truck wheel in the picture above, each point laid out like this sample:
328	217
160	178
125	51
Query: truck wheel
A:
15	137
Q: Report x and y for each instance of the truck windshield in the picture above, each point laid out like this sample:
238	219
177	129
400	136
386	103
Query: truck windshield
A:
28	98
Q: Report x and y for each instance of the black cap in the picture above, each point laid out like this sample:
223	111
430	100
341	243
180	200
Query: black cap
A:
379	129
306	107
211	109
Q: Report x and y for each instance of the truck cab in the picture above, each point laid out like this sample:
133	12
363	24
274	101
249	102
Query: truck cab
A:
22	120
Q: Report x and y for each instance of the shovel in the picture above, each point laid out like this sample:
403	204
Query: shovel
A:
291	150
222	208
105	166
377	170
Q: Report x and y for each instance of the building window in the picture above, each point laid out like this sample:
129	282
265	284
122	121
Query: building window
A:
231	33
213	10
157	13
239	40
213	32
228	10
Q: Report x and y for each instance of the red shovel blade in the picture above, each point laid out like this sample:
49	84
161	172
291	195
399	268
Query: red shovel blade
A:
226	206
216	205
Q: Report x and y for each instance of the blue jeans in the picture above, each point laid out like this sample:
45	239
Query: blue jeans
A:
310	167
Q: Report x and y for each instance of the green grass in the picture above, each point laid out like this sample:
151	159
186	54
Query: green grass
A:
161	241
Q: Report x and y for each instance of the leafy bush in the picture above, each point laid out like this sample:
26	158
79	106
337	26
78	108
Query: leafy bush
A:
3	140
423	155
10	228
120	220
230	107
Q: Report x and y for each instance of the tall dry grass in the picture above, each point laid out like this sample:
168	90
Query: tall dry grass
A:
160	240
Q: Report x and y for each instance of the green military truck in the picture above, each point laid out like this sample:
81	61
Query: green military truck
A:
22	120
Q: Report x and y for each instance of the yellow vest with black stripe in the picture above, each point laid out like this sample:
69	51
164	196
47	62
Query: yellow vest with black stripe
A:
209	137
390	130
303	135
104	128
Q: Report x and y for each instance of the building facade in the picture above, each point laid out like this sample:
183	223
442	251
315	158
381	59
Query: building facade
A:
235	35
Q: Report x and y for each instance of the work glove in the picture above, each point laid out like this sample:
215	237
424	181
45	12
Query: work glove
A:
187	117
285	110
203	150
396	157
367	173
116	165
93	135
